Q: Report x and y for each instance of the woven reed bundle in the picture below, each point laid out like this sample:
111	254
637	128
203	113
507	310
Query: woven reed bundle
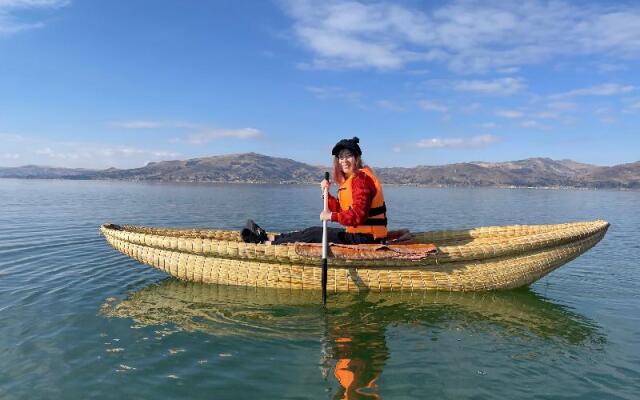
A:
475	259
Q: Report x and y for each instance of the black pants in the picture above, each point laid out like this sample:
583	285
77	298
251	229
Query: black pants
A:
334	235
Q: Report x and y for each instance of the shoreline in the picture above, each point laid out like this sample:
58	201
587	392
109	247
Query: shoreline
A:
417	185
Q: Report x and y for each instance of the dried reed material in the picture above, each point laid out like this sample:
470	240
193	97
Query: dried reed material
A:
484	258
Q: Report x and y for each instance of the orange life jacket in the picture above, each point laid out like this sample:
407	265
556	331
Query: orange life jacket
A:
376	223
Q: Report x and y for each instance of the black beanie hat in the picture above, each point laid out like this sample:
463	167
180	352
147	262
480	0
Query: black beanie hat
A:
349	144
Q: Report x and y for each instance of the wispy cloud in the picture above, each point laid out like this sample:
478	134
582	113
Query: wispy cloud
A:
609	67
606	89
341	33
607	114
127	151
530	124
562	105
11	136
78	151
389	105
546	115
141	124
353	98
193	133
513	114
210	135
433	106
152	124
528	117
24	149
16	15
508	70
471	108
501	87
336	92
460	142
468	36
489	125
631	106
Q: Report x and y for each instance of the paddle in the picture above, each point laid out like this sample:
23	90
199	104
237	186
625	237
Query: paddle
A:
325	245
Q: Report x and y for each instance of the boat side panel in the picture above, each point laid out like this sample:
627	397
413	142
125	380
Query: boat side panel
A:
500	273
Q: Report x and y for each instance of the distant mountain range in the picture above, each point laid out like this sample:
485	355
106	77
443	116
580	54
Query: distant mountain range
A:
258	168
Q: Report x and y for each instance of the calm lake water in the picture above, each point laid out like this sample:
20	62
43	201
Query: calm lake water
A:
80	320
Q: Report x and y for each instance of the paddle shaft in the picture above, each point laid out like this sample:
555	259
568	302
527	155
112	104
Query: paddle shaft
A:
325	245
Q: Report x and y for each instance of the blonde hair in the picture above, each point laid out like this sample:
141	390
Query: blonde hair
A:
338	175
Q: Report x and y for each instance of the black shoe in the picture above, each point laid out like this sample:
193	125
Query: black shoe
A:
252	233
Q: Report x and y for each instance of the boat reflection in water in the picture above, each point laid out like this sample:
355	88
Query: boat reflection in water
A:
353	326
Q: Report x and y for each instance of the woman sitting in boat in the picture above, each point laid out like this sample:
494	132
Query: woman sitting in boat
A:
359	205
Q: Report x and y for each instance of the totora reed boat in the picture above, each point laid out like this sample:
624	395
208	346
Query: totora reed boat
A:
486	258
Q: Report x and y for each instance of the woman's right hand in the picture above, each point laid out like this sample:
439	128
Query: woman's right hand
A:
325	185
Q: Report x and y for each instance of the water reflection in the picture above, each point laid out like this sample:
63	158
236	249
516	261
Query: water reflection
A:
353	328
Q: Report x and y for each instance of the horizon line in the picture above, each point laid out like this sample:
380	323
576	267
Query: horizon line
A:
314	165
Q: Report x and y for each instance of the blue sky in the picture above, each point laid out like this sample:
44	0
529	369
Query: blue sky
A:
121	83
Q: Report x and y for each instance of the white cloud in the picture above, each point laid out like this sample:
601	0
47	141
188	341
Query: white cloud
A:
607	116
422	71
547	115
528	116
141	124
513	114
90	153
346	34
268	53
489	125
508	70
502	86
562	105
607	89
389	105
151	124
46	151
125	151
13	18
474	141
21	150
11	136
216	134
530	124
470	108
428	105
195	133
468	36
632	105
608	67
336	92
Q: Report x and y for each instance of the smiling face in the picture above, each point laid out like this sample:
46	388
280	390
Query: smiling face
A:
347	162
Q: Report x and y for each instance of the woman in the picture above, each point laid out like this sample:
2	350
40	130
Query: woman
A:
359	205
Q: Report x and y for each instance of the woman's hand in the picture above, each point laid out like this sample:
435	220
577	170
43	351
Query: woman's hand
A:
325	185
325	215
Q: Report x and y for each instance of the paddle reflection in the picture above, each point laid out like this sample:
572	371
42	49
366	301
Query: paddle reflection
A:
356	341
353	327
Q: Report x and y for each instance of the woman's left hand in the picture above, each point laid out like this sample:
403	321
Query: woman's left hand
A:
325	215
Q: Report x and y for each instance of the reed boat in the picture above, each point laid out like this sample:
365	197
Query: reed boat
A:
478	259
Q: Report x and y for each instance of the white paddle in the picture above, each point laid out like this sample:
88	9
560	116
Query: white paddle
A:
325	245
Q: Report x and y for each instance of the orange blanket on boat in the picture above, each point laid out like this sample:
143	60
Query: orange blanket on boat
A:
412	252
